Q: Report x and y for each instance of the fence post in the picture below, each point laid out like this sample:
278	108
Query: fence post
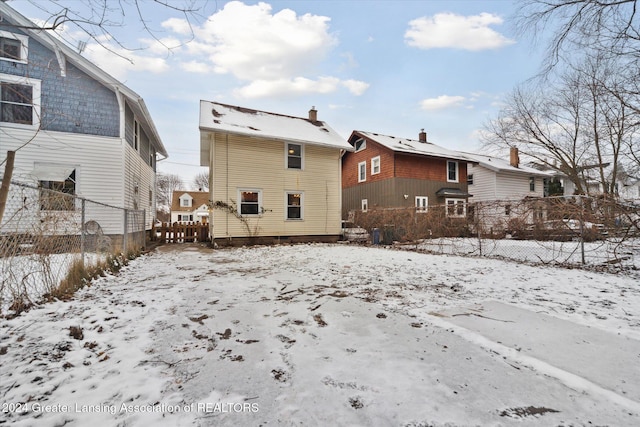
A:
124	236
144	229
83	232
582	201
6	181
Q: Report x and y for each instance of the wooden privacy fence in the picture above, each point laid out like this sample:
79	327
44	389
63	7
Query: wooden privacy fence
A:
181	232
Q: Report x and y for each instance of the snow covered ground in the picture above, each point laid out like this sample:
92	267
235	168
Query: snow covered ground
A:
327	335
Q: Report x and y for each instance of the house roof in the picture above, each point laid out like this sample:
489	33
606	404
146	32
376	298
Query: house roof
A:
199	198
498	164
244	121
65	53
412	146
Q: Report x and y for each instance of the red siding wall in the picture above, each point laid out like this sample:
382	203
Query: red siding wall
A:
350	164
432	169
396	165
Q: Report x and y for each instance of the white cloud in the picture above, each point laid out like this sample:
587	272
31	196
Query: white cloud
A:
119	62
288	87
356	87
178	26
442	102
196	67
448	30
251	43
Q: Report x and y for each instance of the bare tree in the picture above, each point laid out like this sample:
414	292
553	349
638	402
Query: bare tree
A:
576	124
102	20
609	31
201	181
611	26
166	184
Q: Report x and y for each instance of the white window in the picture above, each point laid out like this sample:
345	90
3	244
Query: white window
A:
185	202
136	135
532	183
19	100
361	144
362	171
294	201
452	171
375	165
455	207
13	47
470	179
250	202
57	194
364	204
422	203
294	156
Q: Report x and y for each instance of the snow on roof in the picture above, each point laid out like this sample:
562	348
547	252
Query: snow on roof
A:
412	146
498	164
239	120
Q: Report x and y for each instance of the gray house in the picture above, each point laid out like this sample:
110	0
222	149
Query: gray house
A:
76	129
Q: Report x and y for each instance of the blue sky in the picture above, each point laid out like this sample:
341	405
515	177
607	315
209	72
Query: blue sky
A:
390	67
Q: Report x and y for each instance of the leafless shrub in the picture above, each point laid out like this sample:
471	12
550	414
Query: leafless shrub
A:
555	229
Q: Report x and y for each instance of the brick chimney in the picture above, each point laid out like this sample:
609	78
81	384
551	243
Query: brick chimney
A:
422	136
514	159
313	114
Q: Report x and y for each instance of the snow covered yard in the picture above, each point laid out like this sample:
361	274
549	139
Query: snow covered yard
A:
327	335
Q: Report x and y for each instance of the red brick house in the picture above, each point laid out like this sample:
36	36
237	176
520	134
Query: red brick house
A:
391	172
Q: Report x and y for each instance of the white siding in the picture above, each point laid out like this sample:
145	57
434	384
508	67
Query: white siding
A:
490	185
137	171
97	160
484	184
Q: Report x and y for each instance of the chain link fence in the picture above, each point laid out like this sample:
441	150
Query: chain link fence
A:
45	234
574	231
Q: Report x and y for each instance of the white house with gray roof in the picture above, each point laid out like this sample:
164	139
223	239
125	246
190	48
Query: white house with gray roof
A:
494	178
74	129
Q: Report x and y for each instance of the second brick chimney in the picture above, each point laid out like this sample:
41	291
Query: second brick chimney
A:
422	136
514	159
313	114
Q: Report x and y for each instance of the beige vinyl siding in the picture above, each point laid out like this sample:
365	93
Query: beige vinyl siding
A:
260	164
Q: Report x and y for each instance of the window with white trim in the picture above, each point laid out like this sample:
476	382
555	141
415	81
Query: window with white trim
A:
364	205
185	202
136	135
19	100
455	207
58	195
375	165
422	203
13	47
362	171
361	144
452	171
532	183
294	156
470	179
250	202
294	205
